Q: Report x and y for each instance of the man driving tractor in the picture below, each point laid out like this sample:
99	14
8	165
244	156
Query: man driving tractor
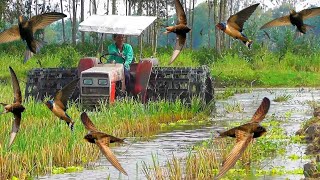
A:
121	52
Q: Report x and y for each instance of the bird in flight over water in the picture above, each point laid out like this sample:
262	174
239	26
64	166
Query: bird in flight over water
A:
102	140
234	25
244	134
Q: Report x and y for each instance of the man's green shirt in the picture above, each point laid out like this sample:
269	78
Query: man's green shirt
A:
127	53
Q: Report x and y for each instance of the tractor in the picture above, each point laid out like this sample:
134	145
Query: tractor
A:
100	82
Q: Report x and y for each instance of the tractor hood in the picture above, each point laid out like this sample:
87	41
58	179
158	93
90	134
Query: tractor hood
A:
115	24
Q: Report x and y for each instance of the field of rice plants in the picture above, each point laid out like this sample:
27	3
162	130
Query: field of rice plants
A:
45	142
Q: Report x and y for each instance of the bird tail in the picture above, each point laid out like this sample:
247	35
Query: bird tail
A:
27	55
306	28
36	45
5	111
71	125
248	43
3	104
220	134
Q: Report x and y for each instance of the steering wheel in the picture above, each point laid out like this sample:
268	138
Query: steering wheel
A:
113	54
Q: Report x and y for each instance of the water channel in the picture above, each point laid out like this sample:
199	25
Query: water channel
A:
179	142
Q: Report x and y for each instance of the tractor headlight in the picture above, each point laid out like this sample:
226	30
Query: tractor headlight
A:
103	82
87	82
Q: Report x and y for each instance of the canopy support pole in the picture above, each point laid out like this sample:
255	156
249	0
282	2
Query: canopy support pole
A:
140	42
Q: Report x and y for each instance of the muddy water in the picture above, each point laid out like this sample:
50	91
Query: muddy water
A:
178	143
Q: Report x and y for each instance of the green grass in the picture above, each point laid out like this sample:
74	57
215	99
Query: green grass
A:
293	70
44	142
258	67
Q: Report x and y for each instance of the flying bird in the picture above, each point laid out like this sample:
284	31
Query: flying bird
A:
26	28
102	140
234	25
295	19
244	135
59	104
16	108
181	29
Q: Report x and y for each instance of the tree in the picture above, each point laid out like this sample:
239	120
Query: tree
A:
74	22
82	19
63	28
114	6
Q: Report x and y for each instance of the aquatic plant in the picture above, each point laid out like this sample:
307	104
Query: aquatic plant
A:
282	97
228	92
233	107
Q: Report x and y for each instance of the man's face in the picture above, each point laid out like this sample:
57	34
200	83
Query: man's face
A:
119	39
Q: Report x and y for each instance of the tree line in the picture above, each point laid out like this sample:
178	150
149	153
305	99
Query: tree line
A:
201	19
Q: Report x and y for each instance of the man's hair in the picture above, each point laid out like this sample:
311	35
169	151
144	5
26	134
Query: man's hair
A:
115	35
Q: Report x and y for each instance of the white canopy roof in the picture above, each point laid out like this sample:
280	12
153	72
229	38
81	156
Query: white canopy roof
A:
115	24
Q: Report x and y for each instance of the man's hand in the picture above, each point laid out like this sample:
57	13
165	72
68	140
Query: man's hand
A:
122	56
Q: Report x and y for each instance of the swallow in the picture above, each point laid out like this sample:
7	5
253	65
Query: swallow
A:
180	29
16	108
26	28
59	104
234	25
295	19
102	140
244	134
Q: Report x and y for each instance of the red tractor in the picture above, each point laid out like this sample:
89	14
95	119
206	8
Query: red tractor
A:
101	82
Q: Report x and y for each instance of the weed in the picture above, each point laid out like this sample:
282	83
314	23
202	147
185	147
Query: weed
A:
234	107
282	98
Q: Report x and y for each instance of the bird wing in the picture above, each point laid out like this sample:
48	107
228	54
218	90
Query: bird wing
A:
309	13
102	144
243	140
43	20
87	122
16	87
180	41
15	127
281	21
237	20
62	96
9	35
261	112
182	19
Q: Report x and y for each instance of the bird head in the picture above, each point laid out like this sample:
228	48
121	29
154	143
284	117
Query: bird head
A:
221	26
261	130
89	137
22	19
49	104
293	12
